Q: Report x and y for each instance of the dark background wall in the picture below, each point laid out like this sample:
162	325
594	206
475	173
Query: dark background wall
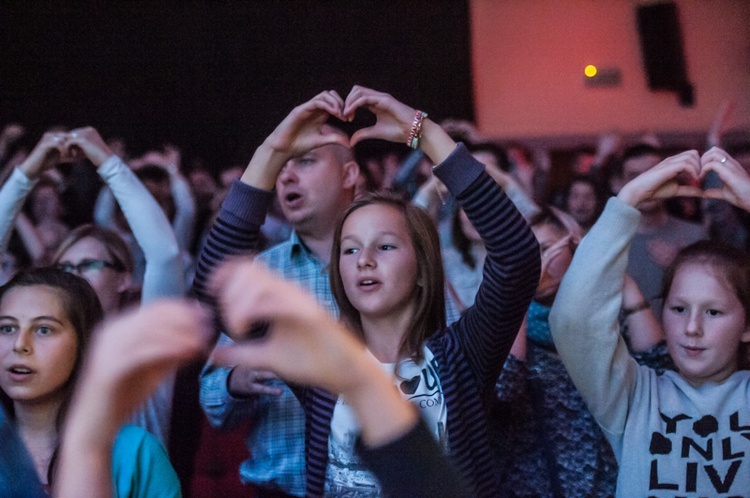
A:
216	77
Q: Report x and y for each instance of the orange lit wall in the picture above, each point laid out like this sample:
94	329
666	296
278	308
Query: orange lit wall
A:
529	57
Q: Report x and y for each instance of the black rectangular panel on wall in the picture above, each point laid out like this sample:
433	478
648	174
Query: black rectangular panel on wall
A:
662	49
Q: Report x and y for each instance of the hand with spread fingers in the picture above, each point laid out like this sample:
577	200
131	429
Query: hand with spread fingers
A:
736	180
662	181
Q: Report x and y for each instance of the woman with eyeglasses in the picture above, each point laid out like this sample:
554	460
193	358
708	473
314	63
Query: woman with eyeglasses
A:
99	255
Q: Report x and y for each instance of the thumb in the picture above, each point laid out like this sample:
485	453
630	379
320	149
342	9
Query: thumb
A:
333	138
713	193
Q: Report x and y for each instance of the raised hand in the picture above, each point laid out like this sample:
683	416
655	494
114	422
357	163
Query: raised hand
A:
555	262
736	180
129	357
721	122
88	141
394	121
302	130
50	151
132	353
303	344
661	181
307	346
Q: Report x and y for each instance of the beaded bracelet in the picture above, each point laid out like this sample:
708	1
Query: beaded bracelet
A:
416	130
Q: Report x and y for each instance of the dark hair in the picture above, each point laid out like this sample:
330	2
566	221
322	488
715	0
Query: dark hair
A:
152	172
500	155
460	241
730	264
595	186
429	316
84	312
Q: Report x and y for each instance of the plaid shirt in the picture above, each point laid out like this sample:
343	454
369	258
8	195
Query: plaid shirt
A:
277	442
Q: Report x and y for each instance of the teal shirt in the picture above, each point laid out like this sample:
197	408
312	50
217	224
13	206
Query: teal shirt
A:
141	467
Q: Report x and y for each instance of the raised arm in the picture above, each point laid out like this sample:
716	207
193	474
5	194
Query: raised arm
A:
228	395
511	269
49	152
584	316
151	229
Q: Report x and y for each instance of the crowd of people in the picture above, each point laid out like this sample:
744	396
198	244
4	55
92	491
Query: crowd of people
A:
435	321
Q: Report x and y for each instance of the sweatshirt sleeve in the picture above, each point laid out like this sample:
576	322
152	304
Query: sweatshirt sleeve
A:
414	465
151	229
584	318
12	196
486	330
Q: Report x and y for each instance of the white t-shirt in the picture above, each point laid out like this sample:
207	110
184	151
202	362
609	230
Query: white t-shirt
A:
420	385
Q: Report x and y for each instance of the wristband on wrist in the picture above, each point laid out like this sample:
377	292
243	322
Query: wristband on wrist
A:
626	312
416	130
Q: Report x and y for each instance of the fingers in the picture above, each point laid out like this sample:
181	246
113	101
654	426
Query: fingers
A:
736	180
170	331
249	293
244	379
716	159
661	181
328	101
360	96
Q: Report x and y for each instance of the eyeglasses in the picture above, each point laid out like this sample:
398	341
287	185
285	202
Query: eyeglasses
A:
90	265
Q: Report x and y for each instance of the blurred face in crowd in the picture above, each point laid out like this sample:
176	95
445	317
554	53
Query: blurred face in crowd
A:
555	259
91	259
315	188
582	203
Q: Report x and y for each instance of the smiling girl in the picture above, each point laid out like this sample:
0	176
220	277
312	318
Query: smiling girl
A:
679	433
46	320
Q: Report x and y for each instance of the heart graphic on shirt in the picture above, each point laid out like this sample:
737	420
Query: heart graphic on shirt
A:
660	445
410	386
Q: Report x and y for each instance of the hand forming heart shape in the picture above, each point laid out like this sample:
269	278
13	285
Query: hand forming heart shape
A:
661	181
59	147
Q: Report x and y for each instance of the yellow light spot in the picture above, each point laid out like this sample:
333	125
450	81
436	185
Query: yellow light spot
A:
590	71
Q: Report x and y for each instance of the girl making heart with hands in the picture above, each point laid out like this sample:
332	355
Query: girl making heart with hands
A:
387	278
680	433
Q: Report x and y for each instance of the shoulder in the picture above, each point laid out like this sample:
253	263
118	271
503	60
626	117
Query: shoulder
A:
140	465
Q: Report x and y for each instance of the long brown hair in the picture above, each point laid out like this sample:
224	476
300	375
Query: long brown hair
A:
429	315
83	310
